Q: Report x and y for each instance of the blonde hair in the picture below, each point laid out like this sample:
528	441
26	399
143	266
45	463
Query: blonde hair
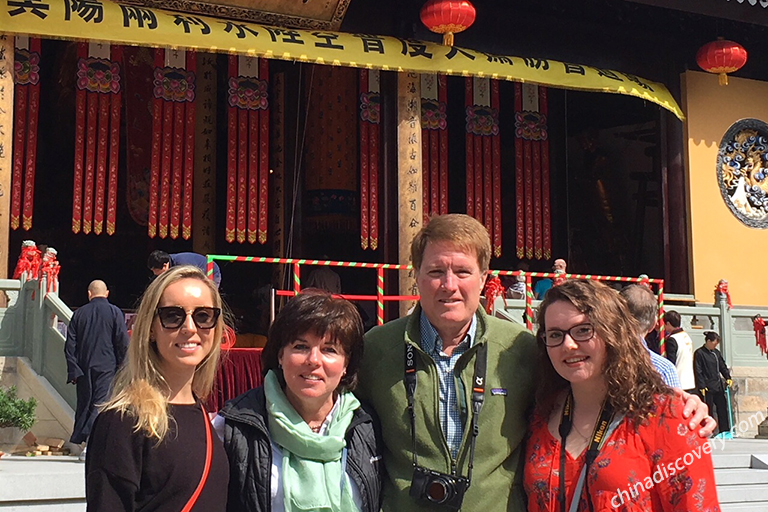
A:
140	389
464	231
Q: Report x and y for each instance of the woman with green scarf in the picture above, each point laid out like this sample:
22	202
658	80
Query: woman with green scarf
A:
302	441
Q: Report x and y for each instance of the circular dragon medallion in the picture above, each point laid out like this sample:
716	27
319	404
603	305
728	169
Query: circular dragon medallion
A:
742	171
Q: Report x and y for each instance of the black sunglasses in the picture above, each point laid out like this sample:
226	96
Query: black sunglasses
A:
173	317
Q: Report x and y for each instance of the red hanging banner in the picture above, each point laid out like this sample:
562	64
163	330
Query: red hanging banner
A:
533	164
434	143
482	99
519	176
114	145
170	204
370	115
443	127
470	149
248	150
26	113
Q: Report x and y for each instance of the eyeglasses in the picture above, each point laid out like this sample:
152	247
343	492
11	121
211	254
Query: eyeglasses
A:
173	317
556	337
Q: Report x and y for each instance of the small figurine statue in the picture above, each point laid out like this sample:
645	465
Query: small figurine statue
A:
50	269
758	323
493	289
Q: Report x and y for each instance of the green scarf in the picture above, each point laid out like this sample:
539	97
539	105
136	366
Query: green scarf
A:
312	469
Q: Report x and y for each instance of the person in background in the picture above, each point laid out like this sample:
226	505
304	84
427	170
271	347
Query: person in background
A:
325	278
152	446
680	350
543	285
455	425
708	367
644	307
607	434
160	261
302	441
97	340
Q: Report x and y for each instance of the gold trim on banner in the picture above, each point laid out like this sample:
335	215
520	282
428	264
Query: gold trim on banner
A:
122	24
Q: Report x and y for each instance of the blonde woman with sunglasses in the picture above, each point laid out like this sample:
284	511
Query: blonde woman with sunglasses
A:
152	447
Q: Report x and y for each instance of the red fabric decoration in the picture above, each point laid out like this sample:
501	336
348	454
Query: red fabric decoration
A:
721	57
171	182
447	17
484	156
49	268
758	323
26	113
722	288
434	137
493	289
370	156
97	140
28	262
248	150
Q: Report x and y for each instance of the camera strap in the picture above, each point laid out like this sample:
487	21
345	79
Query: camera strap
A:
603	428
478	396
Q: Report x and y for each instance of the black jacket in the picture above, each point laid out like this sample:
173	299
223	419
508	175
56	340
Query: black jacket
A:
708	365
248	445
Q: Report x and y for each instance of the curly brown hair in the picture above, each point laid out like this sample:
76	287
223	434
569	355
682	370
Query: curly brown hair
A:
631	379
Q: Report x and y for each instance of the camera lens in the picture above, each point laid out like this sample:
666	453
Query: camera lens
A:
438	491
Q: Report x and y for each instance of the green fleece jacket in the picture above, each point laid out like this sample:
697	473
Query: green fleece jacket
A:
497	475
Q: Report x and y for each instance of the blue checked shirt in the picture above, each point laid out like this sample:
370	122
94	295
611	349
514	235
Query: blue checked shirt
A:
665	368
450	411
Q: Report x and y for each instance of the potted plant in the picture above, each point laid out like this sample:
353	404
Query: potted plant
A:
16	417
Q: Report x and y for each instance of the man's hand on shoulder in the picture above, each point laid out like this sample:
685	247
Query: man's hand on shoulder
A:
698	412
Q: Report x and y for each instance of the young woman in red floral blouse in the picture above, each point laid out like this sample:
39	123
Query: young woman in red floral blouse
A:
627	445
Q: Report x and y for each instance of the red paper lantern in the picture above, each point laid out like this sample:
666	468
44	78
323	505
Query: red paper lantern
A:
448	17
721	57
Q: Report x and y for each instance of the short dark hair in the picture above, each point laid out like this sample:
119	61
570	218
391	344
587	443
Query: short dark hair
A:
672	317
642	304
318	312
158	259
711	336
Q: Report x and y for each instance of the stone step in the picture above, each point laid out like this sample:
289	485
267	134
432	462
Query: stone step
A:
755	506
743	493
731	460
741	476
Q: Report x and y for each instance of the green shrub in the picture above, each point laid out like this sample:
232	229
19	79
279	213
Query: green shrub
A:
16	412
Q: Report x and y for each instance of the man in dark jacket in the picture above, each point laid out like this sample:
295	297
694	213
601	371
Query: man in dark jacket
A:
708	366
95	348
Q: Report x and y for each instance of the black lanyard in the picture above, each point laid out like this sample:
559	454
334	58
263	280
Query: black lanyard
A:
478	396
601	428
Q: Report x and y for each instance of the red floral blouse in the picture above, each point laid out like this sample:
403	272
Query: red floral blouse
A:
659	466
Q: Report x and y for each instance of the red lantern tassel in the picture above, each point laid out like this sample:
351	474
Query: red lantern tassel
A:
496	157
179	118
80	114
364	169
242	173
253	175
114	146
519	181
90	159
155	170
373	186
20	125
468	102
167	166
189	156
264	158
442	94
101	163
229	229
545	208
31	163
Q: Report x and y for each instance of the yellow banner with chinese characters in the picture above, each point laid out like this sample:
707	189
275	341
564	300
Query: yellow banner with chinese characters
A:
126	24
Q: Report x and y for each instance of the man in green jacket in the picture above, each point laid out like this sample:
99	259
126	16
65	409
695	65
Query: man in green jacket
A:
440	342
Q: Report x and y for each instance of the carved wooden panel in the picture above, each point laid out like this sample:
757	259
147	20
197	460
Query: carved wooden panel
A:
305	14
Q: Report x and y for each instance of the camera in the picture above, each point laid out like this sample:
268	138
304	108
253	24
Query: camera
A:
432	487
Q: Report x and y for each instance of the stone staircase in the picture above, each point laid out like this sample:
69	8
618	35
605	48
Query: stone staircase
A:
741	472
